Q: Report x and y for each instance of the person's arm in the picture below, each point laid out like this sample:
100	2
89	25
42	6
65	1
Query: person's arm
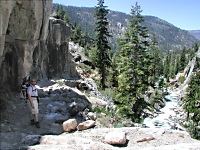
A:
24	86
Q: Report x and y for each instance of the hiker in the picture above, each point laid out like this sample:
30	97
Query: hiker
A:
24	88
33	101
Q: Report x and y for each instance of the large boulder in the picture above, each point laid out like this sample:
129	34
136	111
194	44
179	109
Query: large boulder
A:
116	138
69	125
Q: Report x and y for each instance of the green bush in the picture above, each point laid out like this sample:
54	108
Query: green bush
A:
182	79
61	83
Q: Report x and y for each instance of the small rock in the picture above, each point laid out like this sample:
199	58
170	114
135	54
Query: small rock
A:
116	138
85	125
92	116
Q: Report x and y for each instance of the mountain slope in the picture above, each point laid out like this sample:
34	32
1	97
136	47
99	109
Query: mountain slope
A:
195	33
169	37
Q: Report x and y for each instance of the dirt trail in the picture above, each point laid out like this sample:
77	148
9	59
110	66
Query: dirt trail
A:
17	133
15	122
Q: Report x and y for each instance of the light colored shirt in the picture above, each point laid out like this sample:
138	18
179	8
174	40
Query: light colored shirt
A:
32	90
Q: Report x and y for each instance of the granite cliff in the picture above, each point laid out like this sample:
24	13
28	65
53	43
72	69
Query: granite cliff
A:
32	43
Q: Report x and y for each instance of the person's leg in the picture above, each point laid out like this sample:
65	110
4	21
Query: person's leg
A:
36	117
36	114
36	121
32	118
31	115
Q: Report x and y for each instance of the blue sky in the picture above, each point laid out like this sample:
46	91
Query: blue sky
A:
184	14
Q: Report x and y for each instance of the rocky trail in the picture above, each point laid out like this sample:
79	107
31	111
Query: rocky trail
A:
17	133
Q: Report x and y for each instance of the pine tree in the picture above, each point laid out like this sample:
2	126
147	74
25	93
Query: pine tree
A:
192	105
76	35
62	13
183	60
167	66
172	64
156	62
103	61
133	67
177	68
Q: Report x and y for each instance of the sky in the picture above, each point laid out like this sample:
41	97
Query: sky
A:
184	14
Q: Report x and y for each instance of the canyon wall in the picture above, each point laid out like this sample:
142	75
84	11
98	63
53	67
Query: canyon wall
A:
32	43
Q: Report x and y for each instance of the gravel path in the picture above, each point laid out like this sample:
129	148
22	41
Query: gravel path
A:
16	133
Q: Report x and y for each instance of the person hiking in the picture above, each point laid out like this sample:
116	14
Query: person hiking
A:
33	100
24	86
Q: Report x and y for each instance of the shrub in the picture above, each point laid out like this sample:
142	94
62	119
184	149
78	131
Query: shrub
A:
182	79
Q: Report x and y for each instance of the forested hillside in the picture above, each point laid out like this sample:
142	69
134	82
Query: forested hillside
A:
169	37
130	62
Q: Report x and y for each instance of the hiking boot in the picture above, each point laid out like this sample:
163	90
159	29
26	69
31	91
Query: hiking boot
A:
37	124
32	122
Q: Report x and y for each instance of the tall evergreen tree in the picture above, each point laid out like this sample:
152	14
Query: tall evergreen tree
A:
103	61
156	62
167	66
183	60
192	104
62	13
76	35
133	67
172	64
177	68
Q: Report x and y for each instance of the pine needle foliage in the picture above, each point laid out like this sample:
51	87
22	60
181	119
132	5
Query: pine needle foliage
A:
133	67
103	60
192	106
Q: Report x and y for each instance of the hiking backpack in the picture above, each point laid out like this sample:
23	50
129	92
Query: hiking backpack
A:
24	86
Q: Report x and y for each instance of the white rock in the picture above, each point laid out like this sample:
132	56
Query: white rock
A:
97	101
92	116
69	125
85	125
116	138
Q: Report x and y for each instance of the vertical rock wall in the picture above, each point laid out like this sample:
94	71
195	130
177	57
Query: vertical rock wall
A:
59	61
31	44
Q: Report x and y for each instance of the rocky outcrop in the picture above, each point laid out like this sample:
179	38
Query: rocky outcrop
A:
23	32
31	43
134	138
59	60
188	72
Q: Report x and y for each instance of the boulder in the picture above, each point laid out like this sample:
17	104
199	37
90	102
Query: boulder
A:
116	138
92	116
85	125
75	108
97	101
42	94
69	125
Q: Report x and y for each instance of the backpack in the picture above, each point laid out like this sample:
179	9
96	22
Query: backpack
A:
24	86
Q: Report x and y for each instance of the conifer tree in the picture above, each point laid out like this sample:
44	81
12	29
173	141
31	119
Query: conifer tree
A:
62	14
167	66
103	61
192	105
76	35
183	60
156	62
133	67
177	68
172	64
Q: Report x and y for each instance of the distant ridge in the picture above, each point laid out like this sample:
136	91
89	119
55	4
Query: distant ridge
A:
169	37
195	33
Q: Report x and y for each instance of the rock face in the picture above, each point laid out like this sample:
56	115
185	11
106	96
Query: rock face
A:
59	61
31	43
